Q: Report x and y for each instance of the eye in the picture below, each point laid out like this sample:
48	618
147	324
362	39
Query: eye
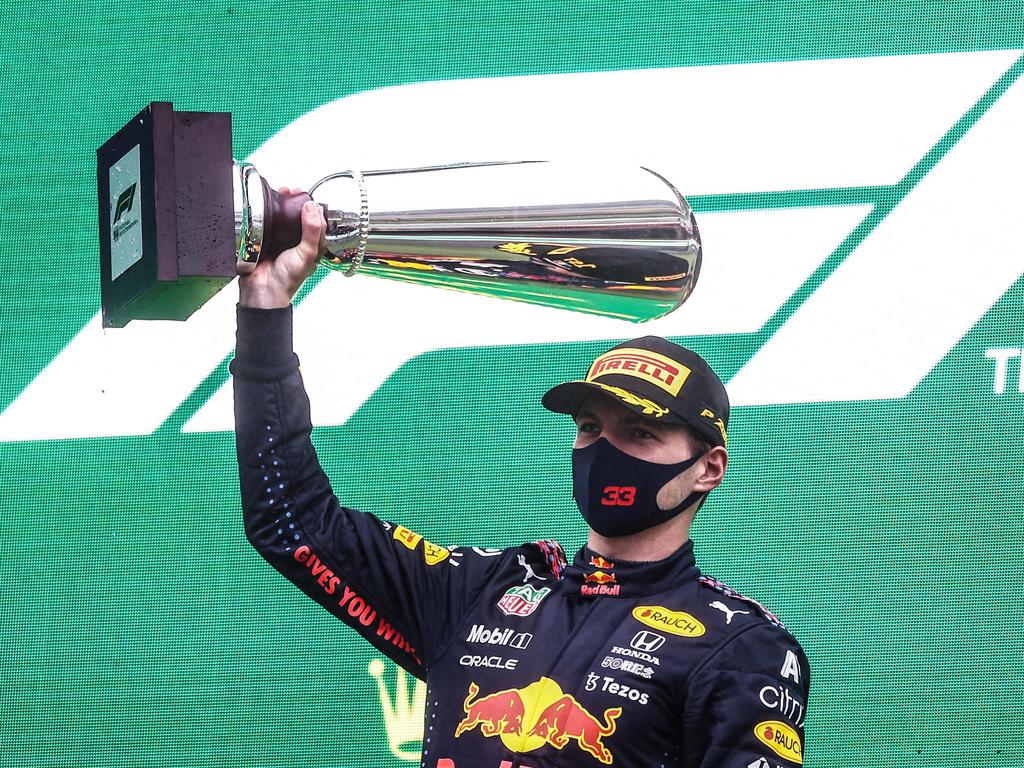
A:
642	434
585	426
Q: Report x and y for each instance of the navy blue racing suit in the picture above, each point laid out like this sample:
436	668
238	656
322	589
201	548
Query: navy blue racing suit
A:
529	660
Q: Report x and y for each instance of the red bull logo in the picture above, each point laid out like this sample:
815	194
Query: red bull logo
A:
500	712
599	562
527	718
602	580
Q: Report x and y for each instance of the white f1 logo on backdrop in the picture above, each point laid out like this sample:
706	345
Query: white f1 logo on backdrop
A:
897	304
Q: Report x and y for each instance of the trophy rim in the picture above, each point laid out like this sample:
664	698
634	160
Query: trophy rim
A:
250	207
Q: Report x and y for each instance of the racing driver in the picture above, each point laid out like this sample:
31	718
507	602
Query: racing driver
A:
628	656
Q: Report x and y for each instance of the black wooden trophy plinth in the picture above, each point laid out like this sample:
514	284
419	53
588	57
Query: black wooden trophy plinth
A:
166	209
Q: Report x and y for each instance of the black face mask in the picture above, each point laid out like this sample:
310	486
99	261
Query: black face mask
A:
617	493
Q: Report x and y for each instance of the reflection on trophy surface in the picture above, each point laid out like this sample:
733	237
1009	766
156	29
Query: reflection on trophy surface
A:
595	238
612	241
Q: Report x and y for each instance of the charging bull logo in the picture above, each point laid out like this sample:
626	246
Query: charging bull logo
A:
509	714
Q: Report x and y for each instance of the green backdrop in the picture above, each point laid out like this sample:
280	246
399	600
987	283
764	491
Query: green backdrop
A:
139	628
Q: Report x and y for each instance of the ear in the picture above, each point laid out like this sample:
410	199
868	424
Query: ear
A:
711	469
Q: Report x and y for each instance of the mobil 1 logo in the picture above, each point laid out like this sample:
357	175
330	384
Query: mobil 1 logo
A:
499	636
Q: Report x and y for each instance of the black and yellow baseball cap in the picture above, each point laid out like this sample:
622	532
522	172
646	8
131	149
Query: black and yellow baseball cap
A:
656	379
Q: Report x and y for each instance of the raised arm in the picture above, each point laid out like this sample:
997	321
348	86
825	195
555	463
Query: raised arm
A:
397	590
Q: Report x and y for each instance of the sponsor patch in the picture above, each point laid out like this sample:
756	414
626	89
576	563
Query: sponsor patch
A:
432	554
499	636
529	573
781	739
791	667
661	371
599	583
778	697
492	662
540	714
718	605
522	601
635	654
708	414
728	591
407	537
648	642
614	687
626	665
674	622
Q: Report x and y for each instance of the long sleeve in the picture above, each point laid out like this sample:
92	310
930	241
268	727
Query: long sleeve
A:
746	705
399	591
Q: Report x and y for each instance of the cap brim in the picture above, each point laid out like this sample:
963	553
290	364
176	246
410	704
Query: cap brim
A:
570	396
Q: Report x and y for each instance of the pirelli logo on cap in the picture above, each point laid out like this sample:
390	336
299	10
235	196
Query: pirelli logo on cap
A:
661	371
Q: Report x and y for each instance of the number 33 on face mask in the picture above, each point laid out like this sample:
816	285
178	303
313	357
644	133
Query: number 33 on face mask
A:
619	496
630	504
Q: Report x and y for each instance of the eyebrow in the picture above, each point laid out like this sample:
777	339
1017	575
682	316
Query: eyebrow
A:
631	419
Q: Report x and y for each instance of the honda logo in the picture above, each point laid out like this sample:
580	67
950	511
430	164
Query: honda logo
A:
648	642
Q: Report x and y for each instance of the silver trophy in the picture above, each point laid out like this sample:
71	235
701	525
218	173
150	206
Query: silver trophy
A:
619	242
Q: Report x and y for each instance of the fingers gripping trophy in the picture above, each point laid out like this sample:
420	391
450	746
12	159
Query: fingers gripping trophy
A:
273	283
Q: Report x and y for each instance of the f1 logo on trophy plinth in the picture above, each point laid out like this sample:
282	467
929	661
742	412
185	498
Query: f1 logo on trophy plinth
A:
179	219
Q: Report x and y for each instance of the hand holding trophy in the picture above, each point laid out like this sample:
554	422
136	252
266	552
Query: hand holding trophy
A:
274	282
618	242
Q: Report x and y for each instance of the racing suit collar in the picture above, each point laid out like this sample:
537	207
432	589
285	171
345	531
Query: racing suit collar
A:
593	575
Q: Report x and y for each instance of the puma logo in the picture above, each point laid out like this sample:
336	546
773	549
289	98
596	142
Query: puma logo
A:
728	614
530	573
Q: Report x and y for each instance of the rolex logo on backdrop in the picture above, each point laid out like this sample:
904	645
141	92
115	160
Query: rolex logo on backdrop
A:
403	714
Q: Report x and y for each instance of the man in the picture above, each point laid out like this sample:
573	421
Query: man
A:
626	657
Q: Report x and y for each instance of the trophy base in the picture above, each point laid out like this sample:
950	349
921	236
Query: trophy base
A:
161	300
166	209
